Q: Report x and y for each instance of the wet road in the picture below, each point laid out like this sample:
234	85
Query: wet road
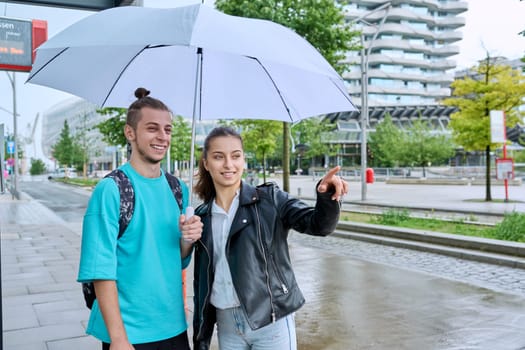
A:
358	304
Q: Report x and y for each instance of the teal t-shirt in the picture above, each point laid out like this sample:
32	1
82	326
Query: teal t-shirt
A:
145	262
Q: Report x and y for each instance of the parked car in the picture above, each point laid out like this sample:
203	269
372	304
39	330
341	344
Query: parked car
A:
60	173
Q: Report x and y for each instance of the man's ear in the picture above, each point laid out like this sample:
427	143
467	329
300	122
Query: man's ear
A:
129	133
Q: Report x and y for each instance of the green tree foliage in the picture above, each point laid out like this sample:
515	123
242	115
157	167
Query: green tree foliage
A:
180	140
307	133
321	22
386	143
416	146
493	87
67	150
259	138
112	129
37	167
423	148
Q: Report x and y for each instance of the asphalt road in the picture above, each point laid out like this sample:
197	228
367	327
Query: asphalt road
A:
66	201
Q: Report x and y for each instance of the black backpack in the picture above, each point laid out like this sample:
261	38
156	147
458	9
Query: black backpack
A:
127	205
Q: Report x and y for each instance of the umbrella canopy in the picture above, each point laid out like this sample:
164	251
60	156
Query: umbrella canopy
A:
199	61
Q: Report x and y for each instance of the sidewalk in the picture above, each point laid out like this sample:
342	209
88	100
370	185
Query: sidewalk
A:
461	198
42	305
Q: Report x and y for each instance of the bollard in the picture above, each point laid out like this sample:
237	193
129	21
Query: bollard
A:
298	191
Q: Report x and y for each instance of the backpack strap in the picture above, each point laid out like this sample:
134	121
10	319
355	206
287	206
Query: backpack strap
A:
175	188
127	199
127	196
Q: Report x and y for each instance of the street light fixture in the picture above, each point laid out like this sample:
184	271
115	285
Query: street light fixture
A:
365	52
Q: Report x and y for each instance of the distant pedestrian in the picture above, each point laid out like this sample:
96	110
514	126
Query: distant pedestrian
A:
138	277
244	281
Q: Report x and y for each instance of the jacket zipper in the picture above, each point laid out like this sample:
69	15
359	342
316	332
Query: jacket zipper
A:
259	234
279	275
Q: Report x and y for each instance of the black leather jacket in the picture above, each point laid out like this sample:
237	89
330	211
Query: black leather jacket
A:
257	253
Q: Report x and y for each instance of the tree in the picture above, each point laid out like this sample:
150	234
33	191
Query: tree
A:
307	133
112	129
321	22
423	148
64	151
493	87
180	140
37	167
260	138
386	143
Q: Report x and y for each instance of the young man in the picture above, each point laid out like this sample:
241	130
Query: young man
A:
138	277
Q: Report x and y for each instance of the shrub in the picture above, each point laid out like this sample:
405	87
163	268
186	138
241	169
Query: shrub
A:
393	217
512	228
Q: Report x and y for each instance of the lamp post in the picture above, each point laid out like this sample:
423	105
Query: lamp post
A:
365	52
14	192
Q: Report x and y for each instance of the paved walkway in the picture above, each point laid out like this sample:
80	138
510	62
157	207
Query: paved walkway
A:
42	305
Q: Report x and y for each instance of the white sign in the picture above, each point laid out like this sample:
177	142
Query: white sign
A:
498	132
504	169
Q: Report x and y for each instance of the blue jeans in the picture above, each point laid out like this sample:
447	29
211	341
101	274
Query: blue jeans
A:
235	333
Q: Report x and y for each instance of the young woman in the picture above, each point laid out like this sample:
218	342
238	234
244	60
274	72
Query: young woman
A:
244	280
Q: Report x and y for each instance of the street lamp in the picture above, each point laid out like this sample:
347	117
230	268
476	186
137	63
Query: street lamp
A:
365	52
15	138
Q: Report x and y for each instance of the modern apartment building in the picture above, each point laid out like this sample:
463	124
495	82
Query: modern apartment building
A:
410	55
408	64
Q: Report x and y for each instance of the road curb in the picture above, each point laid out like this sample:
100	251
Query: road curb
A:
492	251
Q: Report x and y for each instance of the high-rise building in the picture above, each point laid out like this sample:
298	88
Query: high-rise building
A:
407	65
410	55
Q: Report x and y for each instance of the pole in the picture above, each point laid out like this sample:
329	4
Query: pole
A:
364	115
2	180
506	181
15	137
365	53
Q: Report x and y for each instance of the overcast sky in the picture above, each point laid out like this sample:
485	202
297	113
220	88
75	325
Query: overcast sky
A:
491	26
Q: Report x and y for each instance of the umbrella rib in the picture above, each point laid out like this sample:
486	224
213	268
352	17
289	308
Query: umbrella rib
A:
275	86
48	62
345	93
120	75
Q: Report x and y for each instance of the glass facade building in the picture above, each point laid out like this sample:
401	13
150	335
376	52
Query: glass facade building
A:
410	57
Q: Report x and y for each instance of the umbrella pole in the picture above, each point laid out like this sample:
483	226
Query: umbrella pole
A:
196	116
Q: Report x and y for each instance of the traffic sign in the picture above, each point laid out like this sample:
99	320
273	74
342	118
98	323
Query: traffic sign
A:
11	147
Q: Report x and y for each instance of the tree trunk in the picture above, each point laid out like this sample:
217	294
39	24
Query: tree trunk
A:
286	156
264	167
488	196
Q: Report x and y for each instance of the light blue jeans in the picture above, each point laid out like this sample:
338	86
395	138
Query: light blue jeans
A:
235	333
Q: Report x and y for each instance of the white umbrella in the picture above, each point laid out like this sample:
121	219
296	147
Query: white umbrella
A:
201	62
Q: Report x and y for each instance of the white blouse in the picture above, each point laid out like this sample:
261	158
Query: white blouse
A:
223	295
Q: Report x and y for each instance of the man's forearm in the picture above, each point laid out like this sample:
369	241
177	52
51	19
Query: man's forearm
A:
108	303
